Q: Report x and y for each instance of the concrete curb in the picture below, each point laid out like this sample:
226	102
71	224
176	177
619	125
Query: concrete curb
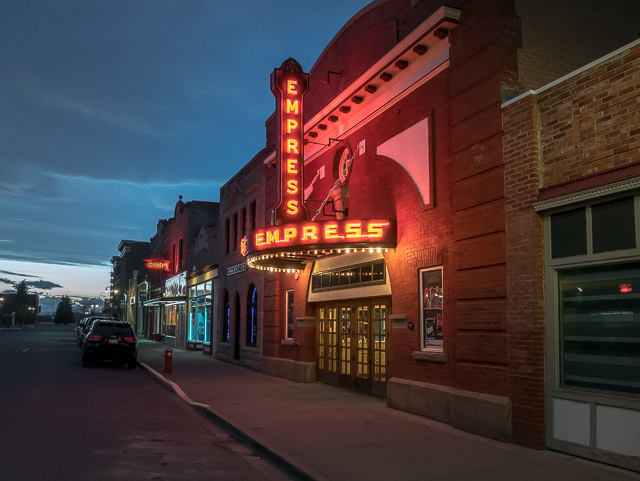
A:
280	461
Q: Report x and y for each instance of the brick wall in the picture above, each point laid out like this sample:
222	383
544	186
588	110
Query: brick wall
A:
236	196
480	52
559	37
525	273
590	122
586	124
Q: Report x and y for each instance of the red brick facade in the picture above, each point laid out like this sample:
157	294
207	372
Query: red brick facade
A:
466	208
478	224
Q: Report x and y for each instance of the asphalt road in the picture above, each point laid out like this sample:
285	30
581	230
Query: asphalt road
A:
60	421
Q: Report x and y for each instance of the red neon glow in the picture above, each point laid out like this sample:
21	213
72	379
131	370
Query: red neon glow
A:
243	246
292	106
157	264
292	187
291	124
323	232
292	207
310	232
625	288
292	146
289	84
292	166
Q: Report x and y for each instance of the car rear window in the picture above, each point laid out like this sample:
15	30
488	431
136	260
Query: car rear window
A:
110	328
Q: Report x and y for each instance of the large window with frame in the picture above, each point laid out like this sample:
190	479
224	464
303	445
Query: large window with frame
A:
594	229
352	276
599	324
431	303
252	316
593	256
226	318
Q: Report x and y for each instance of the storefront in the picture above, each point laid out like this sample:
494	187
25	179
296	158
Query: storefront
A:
202	304
583	228
167	313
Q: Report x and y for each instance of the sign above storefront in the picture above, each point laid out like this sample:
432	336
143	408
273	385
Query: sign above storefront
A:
176	286
236	269
288	246
157	264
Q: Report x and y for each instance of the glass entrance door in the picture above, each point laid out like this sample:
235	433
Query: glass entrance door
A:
345	379
352	345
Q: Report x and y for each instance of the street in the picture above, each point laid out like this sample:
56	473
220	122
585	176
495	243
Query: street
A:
60	421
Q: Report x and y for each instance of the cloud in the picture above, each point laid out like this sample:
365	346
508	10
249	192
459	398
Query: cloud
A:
15	274
90	112
46	285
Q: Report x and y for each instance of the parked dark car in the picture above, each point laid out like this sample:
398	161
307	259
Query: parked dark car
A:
110	340
85	324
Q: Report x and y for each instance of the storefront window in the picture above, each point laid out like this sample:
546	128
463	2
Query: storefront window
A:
600	328
200	312
431	300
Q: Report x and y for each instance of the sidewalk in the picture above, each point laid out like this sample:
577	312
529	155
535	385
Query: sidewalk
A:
321	432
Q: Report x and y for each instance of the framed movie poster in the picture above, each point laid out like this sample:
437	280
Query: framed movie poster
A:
431	320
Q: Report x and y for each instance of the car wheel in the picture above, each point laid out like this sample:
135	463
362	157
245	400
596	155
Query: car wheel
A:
131	365
86	362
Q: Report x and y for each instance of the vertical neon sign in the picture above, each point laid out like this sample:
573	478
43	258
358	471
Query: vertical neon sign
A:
289	84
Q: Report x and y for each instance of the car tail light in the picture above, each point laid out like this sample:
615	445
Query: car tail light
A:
94	337
130	339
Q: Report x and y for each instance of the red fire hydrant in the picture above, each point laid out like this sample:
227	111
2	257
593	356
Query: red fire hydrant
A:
168	359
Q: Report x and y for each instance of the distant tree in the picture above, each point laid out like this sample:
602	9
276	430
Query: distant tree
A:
21	301
64	311
22	292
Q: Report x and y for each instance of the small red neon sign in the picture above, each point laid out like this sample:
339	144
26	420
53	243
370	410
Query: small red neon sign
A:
625	288
157	264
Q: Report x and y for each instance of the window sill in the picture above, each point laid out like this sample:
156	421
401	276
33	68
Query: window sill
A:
431	356
288	342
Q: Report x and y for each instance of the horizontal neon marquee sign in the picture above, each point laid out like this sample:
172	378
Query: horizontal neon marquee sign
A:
317	234
157	264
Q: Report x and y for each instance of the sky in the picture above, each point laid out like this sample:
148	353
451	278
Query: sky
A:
111	109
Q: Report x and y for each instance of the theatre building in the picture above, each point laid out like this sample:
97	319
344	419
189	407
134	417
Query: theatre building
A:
379	227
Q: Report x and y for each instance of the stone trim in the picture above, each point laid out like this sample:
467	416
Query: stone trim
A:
589	194
398	321
296	371
306	321
483	414
432	356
